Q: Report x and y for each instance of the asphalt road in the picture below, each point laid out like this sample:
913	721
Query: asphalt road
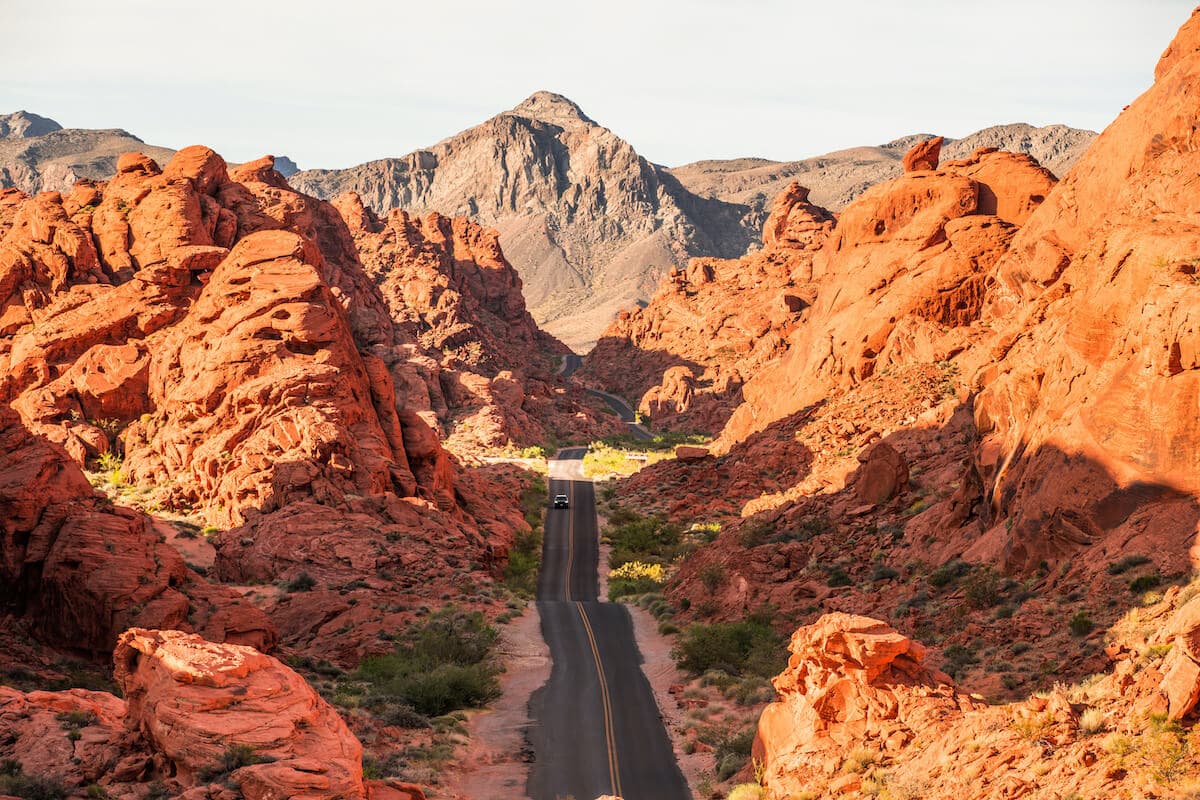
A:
572	363
596	727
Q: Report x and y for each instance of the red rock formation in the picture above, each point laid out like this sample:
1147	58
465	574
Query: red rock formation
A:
1096	371
218	332
187	704
683	358
857	706
84	570
923	156
901	280
486	373
191	700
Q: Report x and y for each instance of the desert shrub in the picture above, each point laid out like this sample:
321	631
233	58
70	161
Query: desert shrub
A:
860	760
883	572
948	573
1092	721
652	540
755	533
748	647
1145	583
982	588
533	502
1127	563
635	577
712	576
836	576
1033	726
1081	624
746	791
234	758
732	752
32	787
524	561
301	583
75	720
442	665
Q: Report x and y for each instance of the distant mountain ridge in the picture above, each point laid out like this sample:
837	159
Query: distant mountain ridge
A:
839	177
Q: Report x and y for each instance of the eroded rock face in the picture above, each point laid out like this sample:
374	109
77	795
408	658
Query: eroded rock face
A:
855	688
192	700
215	335
900	280
682	359
850	681
200	720
1088	413
486	372
85	570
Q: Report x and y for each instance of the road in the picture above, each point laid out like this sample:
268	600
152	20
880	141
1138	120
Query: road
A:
627	415
596	727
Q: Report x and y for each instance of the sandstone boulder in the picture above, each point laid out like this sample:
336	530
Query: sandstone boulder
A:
193	700
923	155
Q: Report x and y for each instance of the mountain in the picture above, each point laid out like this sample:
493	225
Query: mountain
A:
37	154
837	178
589	223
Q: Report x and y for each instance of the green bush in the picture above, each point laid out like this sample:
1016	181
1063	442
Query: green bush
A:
732	752
749	647
836	576
32	787
653	540
440	666
301	583
1081	624
983	588
524	561
1145	583
948	573
234	758
1127	563
712	576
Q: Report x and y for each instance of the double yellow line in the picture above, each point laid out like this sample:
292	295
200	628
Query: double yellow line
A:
610	736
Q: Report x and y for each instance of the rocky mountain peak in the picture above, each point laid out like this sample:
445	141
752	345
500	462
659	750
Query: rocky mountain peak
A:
553	108
23	125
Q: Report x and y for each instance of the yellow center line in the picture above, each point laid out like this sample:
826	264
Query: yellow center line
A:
610	738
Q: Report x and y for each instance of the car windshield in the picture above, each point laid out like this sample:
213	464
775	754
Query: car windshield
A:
560	497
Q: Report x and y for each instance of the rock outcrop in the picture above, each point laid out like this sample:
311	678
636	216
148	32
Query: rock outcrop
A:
213	336
198	719
1087	411
192	700
472	360
901	279
838	178
83	571
684	357
857	708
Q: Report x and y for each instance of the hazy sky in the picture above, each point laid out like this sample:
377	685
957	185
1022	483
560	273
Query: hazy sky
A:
337	82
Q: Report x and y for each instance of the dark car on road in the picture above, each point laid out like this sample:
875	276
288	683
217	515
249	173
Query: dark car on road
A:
560	501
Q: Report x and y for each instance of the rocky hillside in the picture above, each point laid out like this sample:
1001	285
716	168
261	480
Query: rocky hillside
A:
837	178
591	225
977	435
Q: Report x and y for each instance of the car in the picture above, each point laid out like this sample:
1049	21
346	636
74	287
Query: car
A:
560	501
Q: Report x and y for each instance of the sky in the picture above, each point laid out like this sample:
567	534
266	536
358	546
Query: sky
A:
338	82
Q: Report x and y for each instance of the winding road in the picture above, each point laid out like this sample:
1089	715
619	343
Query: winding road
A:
597	729
573	362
